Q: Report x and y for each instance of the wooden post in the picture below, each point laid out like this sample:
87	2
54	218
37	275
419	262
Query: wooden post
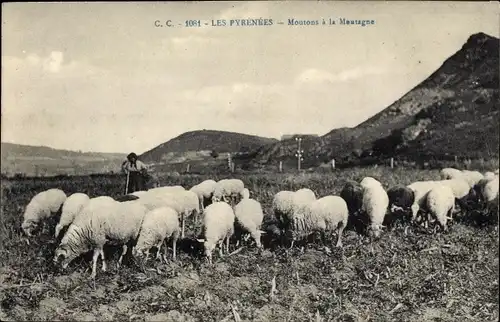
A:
333	163
392	163
232	167
187	168
281	166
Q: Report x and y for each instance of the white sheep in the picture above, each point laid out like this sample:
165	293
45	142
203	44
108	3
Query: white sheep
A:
450	173
420	190
305	194
287	203
472	177
158	225
116	223
245	194
282	205
41	207
249	215
489	175
459	186
184	202
369	181
327	214
490	190
227	189
218	224
71	207
204	191
165	189
375	204
440	203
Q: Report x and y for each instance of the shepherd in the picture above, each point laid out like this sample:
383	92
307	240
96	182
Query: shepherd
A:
136	172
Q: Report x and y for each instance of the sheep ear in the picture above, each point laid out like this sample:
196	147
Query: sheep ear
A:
201	240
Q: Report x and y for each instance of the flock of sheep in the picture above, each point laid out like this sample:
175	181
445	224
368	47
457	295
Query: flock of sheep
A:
145	219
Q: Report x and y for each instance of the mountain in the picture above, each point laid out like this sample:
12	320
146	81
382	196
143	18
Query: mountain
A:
42	160
455	111
204	144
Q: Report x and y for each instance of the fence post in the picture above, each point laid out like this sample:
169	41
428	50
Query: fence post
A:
187	168
229	161
333	163
281	166
392	163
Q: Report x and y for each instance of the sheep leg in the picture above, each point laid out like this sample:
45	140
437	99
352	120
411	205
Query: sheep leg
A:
158	248
227	244
414	211
97	252
220	248
124	251
104	266
174	246
340	230
183	224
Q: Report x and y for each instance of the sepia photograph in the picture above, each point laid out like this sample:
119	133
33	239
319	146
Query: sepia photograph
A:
250	161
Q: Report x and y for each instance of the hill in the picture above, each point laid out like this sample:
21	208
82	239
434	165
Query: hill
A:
452	112
42	160
198	145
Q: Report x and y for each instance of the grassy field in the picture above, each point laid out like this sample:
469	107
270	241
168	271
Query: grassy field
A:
412	276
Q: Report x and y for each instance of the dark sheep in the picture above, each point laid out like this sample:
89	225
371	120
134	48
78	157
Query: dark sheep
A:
352	193
401	196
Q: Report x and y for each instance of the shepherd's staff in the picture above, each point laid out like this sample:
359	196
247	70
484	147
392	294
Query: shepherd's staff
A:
126	185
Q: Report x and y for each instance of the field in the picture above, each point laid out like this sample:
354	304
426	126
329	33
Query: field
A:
415	275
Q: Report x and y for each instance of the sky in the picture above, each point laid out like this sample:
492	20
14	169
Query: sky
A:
101	77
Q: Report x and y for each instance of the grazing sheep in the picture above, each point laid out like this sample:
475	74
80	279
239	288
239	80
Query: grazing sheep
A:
352	193
461	190
166	189
489	175
440	203
490	190
227	189
249	215
450	173
158	225
245	194
218	224
472	177
400	197
204	191
71	207
287	203
327	214
184	202
116	223
282	206
480	187
305	194
41	207
369	181
420	190
459	186
375	204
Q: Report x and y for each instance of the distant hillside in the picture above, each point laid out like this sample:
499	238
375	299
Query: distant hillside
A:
41	160
452	112
197	145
